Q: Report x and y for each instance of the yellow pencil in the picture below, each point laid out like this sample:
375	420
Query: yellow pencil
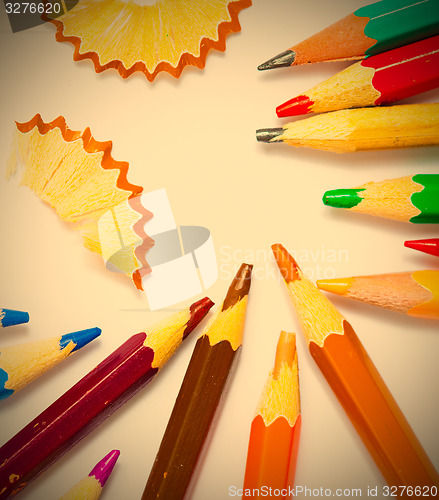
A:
358	129
415	294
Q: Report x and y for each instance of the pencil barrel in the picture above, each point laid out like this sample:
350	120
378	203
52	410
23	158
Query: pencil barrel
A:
75	414
373	411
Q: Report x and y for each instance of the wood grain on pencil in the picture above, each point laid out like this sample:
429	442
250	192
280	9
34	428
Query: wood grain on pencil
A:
356	382
380	79
200	395
275	430
414	294
94	398
369	30
349	130
413	198
90	488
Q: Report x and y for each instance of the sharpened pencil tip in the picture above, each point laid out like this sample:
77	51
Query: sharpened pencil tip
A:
338	286
285	351
299	105
288	267
80	338
282	60
11	317
342	198
430	246
198	310
102	470
239	287
269	134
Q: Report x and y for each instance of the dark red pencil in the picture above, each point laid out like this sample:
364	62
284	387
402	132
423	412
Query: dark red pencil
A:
94	398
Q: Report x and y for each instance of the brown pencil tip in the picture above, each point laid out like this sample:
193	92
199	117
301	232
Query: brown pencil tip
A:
198	310
285	352
287	265
282	60
240	286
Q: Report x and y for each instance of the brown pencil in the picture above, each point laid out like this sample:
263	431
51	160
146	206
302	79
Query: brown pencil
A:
200	394
356	382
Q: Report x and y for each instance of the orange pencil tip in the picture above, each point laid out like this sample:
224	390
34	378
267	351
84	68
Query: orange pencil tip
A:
285	351
287	265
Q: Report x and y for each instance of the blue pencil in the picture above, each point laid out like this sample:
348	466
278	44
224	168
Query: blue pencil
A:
23	363
10	317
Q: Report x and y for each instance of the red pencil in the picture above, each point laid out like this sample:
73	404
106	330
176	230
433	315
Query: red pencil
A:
380	79
94	398
430	246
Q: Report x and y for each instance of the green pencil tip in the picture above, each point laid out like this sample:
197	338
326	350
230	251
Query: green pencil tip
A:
342	198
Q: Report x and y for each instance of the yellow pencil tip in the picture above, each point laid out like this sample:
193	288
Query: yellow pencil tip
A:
340	286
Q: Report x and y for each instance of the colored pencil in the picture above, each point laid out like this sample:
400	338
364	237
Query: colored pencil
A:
356	382
10	317
380	79
414	294
430	246
90	488
22	364
200	395
412	199
275	430
369	30
359	129
94	398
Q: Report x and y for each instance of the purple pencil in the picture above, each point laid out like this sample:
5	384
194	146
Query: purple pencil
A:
90	488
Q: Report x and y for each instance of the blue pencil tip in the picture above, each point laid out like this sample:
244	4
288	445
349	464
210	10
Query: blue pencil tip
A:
80	338
10	317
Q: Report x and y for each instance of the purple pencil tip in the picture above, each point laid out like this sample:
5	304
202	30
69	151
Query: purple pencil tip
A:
102	470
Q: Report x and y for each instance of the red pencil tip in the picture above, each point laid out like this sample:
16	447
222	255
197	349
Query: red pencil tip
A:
198	310
430	246
287	265
299	105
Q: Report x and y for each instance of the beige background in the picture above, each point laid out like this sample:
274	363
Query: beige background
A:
196	137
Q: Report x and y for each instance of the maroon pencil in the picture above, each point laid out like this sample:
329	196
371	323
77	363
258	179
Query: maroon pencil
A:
93	399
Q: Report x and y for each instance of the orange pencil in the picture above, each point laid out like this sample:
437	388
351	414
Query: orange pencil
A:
275	430
356	382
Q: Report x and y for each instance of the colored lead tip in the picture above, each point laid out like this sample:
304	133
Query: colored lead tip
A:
339	286
285	352
299	105
11	317
342	198
102	470
269	134
239	287
80	338
288	267
282	60
198	310
430	246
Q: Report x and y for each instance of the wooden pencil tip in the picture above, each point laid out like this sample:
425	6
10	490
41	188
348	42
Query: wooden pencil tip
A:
239	287
299	105
269	134
198	310
430	246
285	351
282	60
288	267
